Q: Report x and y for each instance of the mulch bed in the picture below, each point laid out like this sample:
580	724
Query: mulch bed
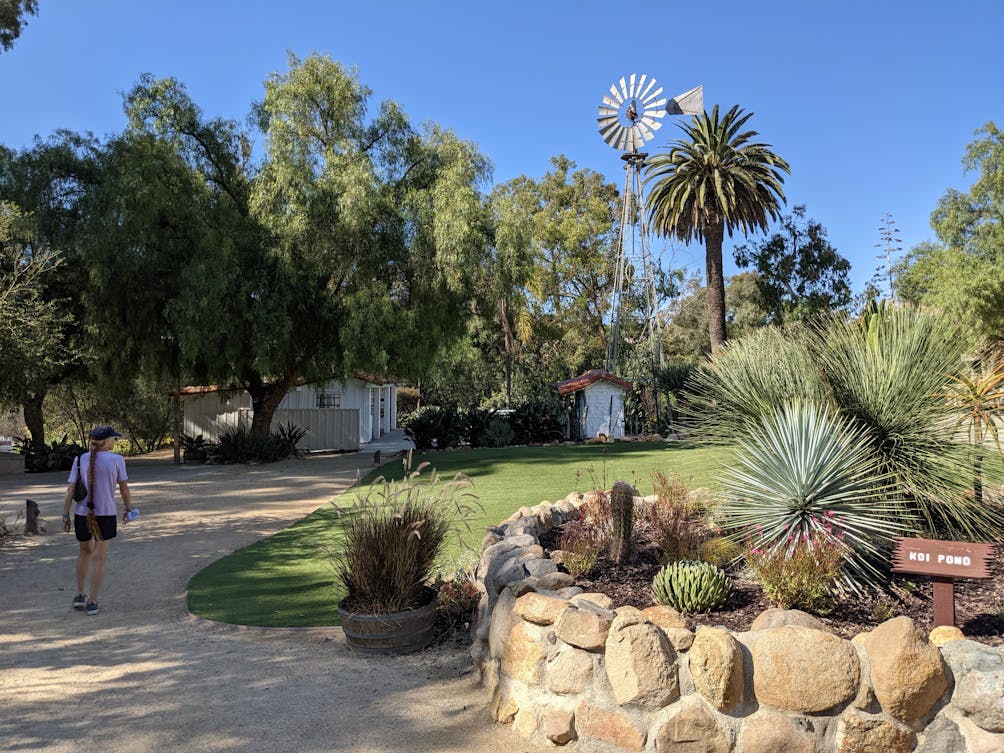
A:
979	604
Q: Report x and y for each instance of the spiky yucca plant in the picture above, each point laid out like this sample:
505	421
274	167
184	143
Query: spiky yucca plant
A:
803	472
749	378
888	372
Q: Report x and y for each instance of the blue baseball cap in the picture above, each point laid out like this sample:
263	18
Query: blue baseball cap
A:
103	432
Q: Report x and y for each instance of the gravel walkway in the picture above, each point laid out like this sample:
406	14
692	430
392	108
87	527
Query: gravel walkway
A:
144	675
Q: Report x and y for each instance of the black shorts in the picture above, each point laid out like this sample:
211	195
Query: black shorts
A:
107	524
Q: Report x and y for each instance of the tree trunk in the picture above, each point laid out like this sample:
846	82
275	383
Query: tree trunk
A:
265	399
978	478
34	418
714	234
177	407
508	379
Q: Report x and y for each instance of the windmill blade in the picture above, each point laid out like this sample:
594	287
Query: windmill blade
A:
611	132
640	95
644	130
654	112
689	103
646	102
643	94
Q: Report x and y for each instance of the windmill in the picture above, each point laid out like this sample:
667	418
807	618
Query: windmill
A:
628	117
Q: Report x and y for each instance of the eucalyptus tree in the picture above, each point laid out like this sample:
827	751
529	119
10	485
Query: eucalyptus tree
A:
13	19
350	245
798	271
963	272
41	188
32	324
715	180
571	217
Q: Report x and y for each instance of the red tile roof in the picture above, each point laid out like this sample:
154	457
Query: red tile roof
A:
591	377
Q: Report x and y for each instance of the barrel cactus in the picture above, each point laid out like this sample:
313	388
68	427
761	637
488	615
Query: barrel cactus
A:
622	519
691	587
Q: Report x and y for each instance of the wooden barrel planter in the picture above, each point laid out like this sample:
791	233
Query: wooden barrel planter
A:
391	632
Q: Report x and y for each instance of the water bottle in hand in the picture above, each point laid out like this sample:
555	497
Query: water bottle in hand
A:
132	514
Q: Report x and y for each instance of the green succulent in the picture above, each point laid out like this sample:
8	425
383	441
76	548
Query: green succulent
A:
691	587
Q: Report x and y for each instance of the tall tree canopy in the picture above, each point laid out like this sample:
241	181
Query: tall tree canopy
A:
963	272
13	15
351	245
799	273
715	180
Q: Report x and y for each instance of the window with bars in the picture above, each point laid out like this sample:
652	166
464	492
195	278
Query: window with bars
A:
329	399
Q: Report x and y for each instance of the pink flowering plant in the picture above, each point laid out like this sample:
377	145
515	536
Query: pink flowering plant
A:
800	572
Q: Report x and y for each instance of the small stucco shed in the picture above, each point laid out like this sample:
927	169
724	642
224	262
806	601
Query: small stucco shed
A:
599	403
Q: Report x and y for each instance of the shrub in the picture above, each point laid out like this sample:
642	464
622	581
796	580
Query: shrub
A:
622	521
435	427
747	379
586	536
240	445
537	421
690	587
392	537
498	433
720	551
889	372
288	436
672	519
580	544
801	573
54	456
486	428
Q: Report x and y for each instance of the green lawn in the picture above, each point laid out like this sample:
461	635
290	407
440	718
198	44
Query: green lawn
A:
286	580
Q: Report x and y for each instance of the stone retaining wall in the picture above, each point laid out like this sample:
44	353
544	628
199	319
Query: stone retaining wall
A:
572	668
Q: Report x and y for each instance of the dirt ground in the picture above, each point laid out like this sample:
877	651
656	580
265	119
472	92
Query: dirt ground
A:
144	675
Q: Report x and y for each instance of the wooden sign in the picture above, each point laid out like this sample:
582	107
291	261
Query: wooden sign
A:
944	561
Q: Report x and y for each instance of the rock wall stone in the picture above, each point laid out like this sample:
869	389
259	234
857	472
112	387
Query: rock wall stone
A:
568	668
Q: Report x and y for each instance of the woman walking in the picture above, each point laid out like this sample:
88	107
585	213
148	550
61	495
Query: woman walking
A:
94	519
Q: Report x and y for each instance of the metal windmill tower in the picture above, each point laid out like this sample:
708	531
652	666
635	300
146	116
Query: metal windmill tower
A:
628	117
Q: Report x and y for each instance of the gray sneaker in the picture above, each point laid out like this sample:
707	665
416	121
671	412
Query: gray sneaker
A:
92	608
80	601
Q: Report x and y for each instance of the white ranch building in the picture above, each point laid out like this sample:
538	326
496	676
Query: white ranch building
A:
599	403
337	414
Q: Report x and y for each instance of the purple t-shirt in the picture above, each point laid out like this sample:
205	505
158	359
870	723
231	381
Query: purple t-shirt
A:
109	470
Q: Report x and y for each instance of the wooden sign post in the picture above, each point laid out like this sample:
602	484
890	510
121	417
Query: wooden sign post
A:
944	561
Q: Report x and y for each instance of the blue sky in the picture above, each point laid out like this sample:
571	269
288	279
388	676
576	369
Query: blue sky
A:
871	102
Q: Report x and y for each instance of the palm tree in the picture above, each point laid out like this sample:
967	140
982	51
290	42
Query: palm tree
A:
713	181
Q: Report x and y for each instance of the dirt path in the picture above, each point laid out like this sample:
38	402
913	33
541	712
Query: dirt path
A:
145	676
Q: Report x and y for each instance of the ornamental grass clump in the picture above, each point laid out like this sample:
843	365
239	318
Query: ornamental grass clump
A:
674	518
393	536
585	536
